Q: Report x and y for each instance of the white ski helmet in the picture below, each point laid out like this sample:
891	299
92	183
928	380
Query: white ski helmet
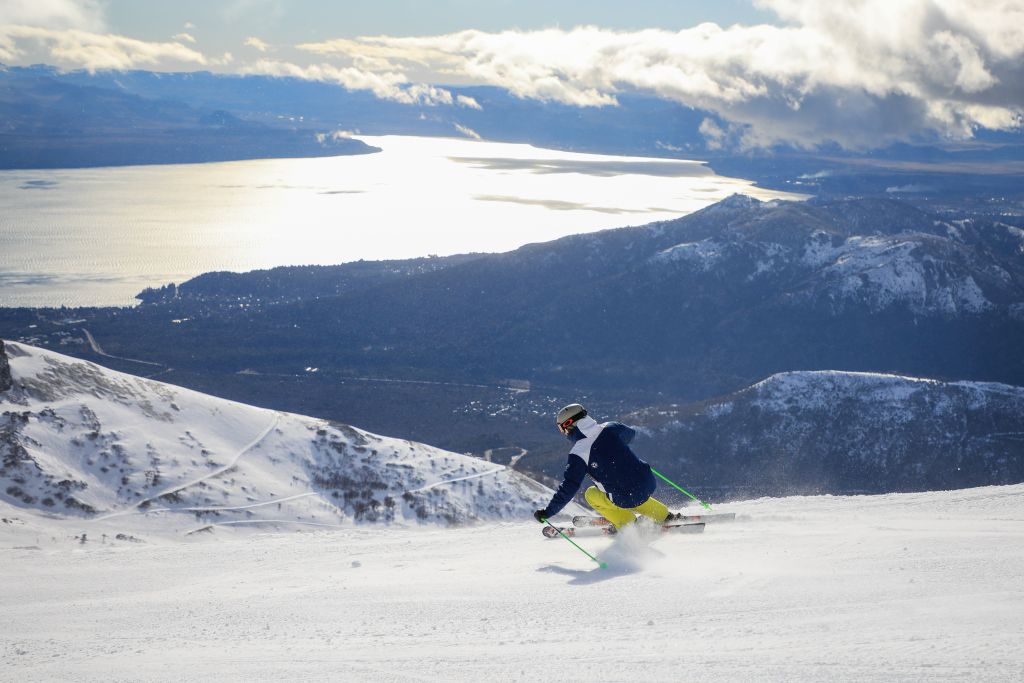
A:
570	415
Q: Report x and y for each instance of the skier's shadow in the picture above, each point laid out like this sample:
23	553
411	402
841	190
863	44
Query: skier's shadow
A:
587	576
582	577
628	554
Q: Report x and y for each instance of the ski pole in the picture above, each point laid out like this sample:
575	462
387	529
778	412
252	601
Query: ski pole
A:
602	565
706	506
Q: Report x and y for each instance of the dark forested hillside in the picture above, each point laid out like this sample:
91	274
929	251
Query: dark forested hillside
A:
694	307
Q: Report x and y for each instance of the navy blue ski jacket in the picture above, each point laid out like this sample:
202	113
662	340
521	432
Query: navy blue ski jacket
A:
602	451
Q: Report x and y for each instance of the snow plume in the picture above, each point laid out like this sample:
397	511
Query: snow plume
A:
631	550
862	73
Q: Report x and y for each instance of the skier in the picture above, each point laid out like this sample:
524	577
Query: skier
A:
624	482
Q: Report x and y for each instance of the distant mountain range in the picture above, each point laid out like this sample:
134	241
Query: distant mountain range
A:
115	453
80	118
48	122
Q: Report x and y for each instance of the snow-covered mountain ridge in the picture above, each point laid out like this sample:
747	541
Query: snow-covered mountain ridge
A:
875	255
834	386
846	431
81	441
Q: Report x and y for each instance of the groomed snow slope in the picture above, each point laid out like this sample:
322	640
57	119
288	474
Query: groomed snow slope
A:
906	587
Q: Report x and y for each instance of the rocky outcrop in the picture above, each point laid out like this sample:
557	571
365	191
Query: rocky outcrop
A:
5	370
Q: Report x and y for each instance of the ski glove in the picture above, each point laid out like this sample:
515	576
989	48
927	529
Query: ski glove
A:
541	515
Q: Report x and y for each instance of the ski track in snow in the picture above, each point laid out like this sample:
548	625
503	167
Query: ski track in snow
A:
899	587
225	508
452	481
206	477
254	522
98	350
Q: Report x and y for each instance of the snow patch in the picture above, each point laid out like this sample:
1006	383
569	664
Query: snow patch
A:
768	259
817	389
704	254
884	271
734	202
719	409
818	249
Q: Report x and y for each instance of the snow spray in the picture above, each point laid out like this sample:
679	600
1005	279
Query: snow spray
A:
602	565
663	477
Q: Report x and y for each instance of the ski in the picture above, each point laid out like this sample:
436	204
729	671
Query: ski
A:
715	517
589	520
552	531
684	528
681	527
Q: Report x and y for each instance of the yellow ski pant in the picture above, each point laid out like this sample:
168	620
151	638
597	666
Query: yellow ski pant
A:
598	500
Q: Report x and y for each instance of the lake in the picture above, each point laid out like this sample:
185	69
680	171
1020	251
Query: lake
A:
98	236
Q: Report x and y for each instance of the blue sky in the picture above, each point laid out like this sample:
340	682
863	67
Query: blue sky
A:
227	24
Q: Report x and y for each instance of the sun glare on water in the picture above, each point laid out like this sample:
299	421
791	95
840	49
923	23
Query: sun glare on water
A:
98	236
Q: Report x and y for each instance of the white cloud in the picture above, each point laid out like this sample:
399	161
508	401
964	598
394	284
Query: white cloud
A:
188	26
86	15
862	72
468	102
714	136
256	43
72	48
388	85
667	146
467	131
8	50
73	34
379	48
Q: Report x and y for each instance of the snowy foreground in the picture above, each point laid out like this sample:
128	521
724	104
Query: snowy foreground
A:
897	587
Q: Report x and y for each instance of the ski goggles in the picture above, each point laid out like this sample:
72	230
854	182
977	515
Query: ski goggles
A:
567	426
